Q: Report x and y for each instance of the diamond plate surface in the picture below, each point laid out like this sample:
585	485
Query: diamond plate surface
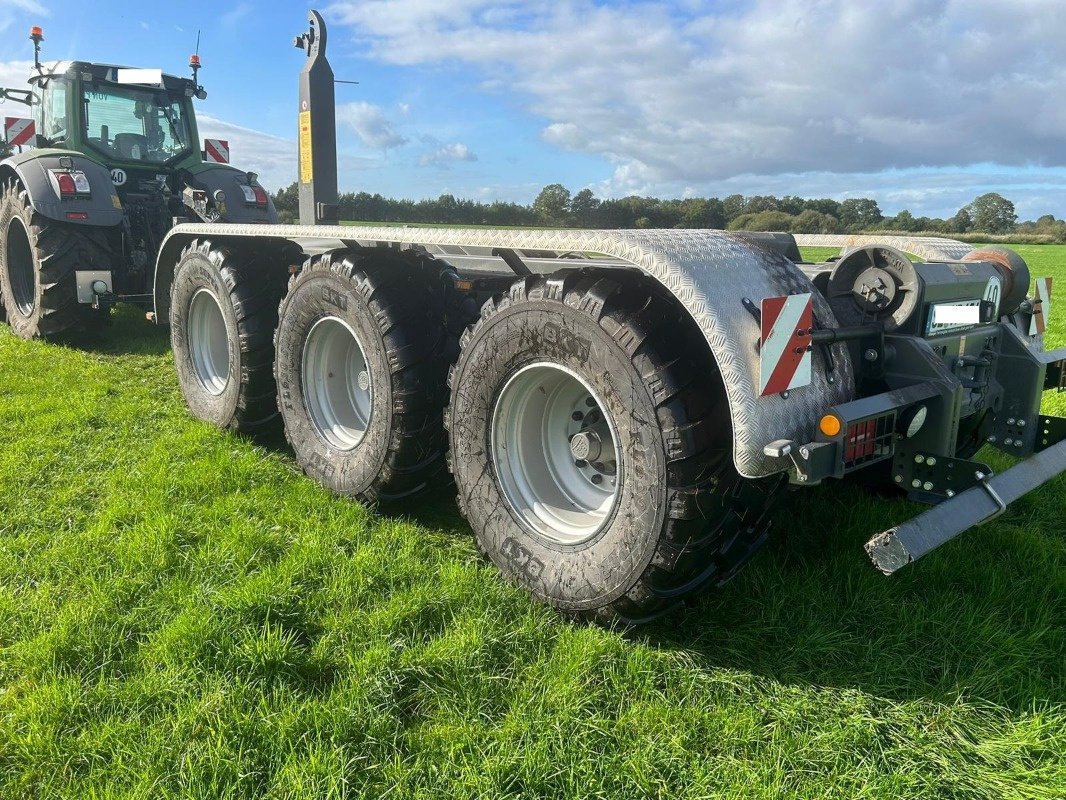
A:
930	248
709	272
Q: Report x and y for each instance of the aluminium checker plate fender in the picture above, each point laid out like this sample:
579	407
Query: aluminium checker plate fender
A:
709	272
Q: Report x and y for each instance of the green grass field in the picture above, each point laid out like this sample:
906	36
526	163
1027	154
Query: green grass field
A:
183	614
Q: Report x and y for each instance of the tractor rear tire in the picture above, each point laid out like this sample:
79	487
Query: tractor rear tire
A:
38	259
362	358
591	445
223	312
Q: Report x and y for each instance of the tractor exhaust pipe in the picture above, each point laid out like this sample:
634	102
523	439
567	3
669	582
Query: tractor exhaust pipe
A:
318	128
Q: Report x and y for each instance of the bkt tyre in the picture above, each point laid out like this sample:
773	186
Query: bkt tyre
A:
223	311
361	365
591	446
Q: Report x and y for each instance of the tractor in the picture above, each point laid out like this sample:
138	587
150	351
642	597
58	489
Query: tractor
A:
105	163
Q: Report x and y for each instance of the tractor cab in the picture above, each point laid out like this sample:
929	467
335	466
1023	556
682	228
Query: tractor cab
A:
120	116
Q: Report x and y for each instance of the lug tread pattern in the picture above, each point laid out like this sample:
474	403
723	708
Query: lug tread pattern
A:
716	520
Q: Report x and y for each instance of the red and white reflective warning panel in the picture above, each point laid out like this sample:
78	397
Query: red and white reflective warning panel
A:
785	356
18	131
216	151
1041	307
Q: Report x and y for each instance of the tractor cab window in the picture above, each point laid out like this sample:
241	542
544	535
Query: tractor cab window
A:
52	113
132	124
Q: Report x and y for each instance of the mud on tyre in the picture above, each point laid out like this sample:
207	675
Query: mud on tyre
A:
362	355
38	259
223	312
591	446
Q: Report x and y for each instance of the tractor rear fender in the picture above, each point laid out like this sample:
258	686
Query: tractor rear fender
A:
212	178
33	169
709	273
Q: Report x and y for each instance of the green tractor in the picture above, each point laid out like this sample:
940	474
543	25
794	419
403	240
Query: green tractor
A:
106	162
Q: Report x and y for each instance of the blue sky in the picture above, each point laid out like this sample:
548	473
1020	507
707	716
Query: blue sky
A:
921	104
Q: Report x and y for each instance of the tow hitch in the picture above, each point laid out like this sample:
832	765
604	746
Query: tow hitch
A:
897	547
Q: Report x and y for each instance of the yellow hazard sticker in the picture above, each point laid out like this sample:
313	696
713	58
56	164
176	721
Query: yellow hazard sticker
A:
116	202
306	160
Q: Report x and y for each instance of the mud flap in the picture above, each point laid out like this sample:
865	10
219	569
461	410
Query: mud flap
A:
899	546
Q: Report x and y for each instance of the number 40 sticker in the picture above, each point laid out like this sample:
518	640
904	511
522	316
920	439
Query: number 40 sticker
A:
118	176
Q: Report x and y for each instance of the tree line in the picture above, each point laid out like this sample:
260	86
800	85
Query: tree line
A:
556	206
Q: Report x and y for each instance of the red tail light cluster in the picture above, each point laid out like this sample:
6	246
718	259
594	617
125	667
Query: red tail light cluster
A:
70	184
254	195
869	440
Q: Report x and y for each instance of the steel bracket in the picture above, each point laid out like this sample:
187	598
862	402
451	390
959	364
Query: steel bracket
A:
1050	431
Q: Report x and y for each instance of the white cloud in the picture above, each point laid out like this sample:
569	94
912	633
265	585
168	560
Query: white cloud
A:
697	94
446	154
236	14
371	125
272	157
13	75
10	10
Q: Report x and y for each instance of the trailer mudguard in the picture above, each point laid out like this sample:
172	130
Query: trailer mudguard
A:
710	273
102	207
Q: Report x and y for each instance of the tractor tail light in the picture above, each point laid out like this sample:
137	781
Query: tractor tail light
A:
70	184
66	184
869	440
260	196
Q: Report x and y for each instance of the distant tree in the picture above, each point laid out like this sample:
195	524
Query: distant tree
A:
993	213
903	221
823	205
733	207
811	221
697	212
287	203
757	203
763	221
961	222
552	204
583	208
859	213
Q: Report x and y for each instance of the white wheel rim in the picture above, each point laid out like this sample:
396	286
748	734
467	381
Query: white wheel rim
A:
209	342
545	419
337	388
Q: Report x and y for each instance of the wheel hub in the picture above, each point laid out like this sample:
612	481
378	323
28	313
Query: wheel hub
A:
209	342
337	387
555	453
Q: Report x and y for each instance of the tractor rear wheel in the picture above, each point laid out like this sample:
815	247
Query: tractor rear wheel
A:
362	357
223	311
591	446
38	259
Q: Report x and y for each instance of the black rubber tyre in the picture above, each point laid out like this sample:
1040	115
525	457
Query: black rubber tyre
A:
683	519
394	306
38	258
235	390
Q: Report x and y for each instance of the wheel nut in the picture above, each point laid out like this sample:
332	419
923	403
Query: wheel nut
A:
590	402
597	479
577	416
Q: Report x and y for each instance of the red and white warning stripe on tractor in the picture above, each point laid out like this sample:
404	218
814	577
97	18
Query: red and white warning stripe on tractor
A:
785	355
216	151
19	131
1041	307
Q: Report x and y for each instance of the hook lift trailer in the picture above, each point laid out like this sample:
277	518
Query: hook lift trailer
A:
620	410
